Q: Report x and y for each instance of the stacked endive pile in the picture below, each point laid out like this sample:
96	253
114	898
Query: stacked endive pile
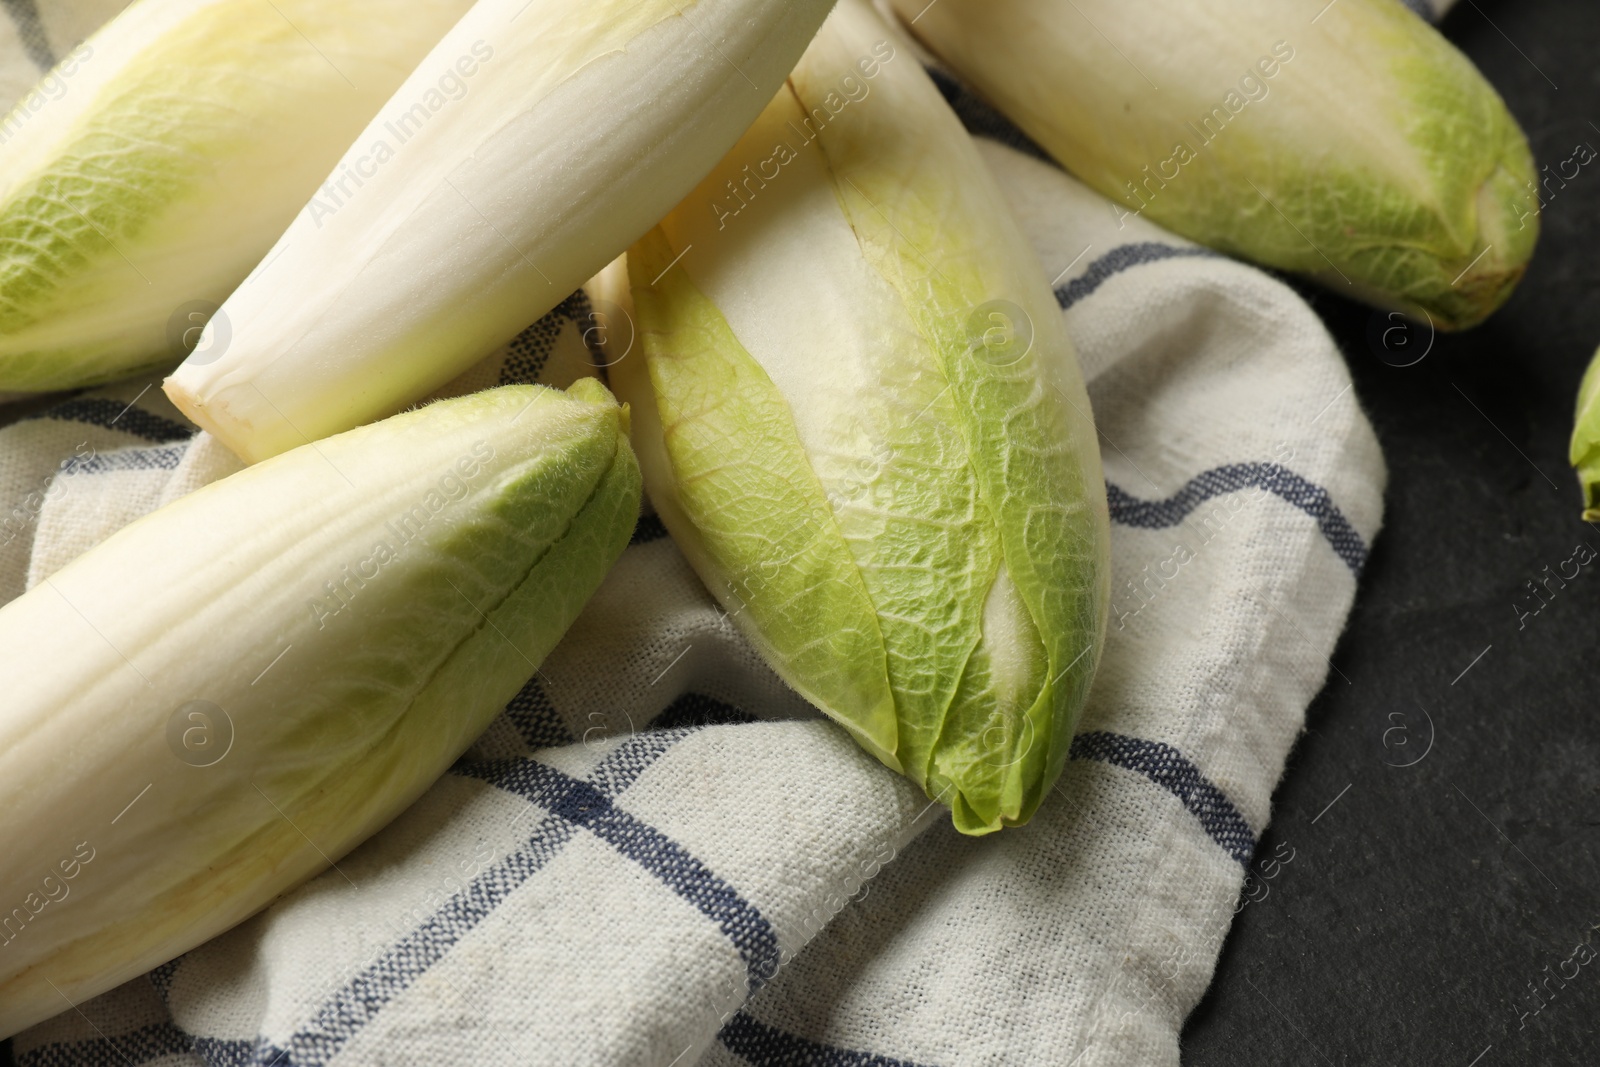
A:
853	399
305	647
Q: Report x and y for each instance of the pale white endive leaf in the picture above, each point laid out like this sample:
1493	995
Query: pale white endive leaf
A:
216	702
584	125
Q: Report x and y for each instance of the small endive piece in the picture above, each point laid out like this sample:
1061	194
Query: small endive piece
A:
153	168
219	700
1585	454
1348	141
466	222
859	414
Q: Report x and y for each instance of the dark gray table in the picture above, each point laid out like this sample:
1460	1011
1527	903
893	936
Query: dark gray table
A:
1422	904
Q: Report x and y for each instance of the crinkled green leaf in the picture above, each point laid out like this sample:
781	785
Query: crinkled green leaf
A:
961	480
762	517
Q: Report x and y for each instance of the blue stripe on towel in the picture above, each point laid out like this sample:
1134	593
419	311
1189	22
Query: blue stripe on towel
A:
697	709
132	459
138	1046
761	1045
529	352
344	1014
582	804
648	530
1307	496
115	415
536	720
1172	771
982	120
218	1052
30	30
1122	258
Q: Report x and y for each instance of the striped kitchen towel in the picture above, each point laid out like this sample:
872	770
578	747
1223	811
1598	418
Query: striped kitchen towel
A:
659	855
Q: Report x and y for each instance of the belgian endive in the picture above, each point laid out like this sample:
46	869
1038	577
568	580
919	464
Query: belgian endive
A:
222	698
1585	451
858	412
1345	141
585	123
152	169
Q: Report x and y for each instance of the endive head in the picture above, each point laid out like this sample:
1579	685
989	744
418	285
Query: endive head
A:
1357	146
152	169
858	412
1585	452
293	653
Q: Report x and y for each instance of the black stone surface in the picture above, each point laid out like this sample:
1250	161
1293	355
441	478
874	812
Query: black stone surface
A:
1421	905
